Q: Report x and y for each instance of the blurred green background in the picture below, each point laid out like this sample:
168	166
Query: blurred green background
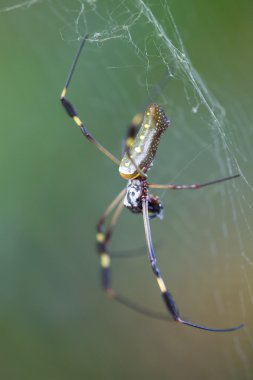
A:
55	322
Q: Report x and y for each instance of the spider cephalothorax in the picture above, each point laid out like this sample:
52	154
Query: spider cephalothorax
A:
136	189
132	199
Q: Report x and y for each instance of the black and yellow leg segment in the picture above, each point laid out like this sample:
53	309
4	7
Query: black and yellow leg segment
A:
133	130
167	297
105	273
69	108
103	237
105	261
130	136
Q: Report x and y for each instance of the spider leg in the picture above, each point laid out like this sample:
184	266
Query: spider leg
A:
167	297
103	237
133	252
69	108
138	169
113	221
194	186
132	131
129	140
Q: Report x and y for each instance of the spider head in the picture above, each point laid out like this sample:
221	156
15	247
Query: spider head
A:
133	199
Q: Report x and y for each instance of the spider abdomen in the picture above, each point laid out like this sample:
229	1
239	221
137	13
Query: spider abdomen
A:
144	147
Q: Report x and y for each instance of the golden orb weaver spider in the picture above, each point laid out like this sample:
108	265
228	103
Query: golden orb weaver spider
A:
140	149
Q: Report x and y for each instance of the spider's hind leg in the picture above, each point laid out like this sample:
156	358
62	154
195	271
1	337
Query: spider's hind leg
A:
71	111
102	238
166	295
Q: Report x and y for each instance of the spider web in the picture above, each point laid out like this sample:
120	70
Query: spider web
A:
12	7
211	140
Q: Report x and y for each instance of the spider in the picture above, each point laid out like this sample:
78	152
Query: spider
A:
140	148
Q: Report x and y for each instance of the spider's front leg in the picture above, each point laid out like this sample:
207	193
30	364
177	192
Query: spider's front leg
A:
69	108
